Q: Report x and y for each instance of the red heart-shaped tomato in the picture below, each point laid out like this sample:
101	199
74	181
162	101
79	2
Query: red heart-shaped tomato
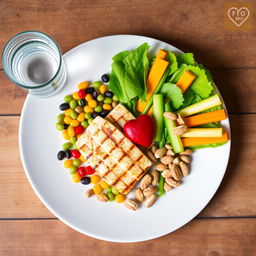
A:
140	130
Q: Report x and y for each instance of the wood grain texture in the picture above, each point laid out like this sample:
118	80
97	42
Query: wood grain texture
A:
17	198
200	30
236	196
237	87
199	237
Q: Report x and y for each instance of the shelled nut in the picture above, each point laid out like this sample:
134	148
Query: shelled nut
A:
166	160
149	191
180	130
146	181
176	172
172	182
167	187
187	152
131	204
150	200
155	177
170	115
185	159
138	194
160	167
160	152
184	169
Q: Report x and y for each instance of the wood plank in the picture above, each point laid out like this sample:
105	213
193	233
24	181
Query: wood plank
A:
171	21
236	196
12	96
237	87
199	237
17	198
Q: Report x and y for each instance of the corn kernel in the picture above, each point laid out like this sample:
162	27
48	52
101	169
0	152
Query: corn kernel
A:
65	135
103	88
107	106
104	184
81	117
76	96
67	112
95	179
76	178
83	85
88	97
67	120
71	131
74	123
97	189
68	163
92	103
120	198
82	158
88	109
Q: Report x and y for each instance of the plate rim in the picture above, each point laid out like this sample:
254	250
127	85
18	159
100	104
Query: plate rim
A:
75	227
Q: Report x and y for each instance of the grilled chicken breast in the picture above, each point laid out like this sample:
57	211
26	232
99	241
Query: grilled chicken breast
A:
115	157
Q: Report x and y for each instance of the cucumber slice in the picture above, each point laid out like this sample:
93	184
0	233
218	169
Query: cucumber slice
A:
200	106
170	124
158	115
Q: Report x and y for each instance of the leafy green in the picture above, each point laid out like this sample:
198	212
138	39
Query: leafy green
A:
214	145
173	92
207	72
173	66
185	58
131	106
128	75
201	85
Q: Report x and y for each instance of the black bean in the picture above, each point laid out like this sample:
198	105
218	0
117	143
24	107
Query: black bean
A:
66	126
105	78
104	113
86	180
68	154
82	102
89	90
109	94
64	106
95	114
94	95
61	155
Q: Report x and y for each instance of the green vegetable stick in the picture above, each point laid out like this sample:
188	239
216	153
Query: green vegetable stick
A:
161	185
158	115
174	139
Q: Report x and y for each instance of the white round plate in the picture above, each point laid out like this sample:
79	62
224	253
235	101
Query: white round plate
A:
40	142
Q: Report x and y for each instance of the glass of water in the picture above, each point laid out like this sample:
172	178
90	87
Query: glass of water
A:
33	61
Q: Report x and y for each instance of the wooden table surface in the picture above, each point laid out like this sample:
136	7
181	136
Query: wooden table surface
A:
227	226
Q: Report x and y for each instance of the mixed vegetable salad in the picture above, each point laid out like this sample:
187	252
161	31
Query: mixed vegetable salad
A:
174	110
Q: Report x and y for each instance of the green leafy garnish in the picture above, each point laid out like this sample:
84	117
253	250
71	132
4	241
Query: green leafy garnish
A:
173	66
173	92
201	85
128	75
185	58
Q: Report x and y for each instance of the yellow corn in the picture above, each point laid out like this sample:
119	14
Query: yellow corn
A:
83	85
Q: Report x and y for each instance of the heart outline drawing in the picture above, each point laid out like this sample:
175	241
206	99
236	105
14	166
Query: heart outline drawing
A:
237	14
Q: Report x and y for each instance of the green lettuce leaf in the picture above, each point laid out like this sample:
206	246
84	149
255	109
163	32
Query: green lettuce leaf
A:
128	75
185	58
173	66
207	146
173	92
201	85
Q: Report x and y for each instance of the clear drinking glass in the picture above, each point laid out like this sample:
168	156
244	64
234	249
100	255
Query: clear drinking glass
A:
33	61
